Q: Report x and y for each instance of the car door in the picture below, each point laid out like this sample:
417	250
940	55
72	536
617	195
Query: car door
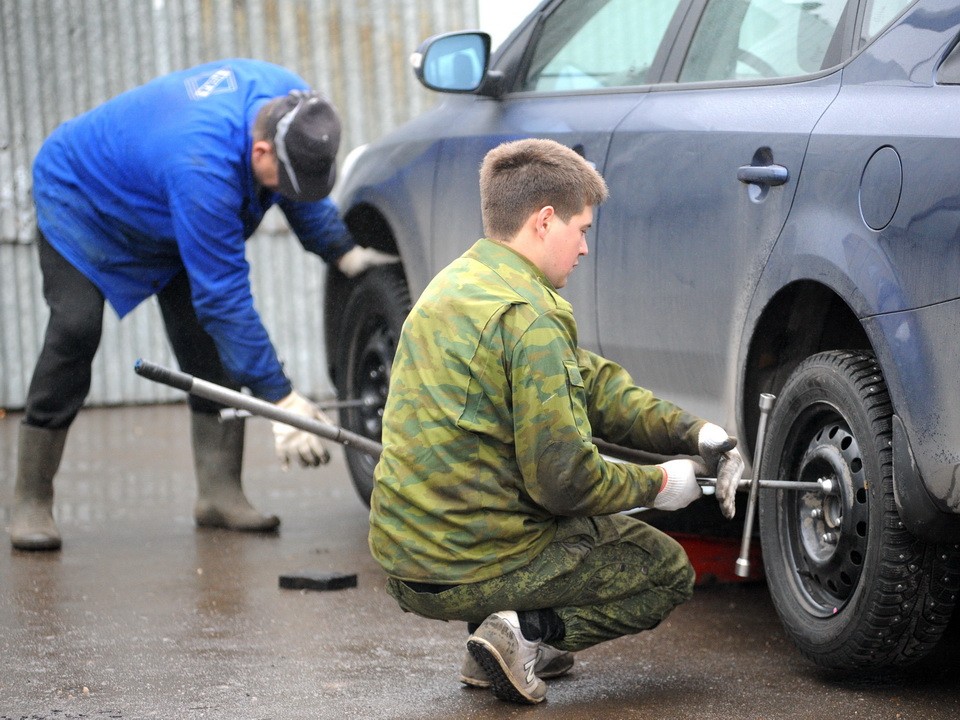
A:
702	175
572	75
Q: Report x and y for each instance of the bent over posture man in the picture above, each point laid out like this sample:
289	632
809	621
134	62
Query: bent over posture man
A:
155	193
491	502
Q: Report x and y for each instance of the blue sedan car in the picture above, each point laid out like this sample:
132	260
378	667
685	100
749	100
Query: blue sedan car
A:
784	218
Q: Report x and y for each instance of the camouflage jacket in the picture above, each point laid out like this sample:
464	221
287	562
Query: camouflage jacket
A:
489	421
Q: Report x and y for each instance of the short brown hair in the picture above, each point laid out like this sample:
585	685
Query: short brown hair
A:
518	178
260	123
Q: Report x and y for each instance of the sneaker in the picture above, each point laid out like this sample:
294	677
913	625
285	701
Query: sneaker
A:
551	663
508	658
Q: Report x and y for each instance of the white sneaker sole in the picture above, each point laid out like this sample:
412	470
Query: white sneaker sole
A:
502	682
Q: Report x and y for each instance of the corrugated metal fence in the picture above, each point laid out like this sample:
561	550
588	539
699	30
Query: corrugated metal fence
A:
59	58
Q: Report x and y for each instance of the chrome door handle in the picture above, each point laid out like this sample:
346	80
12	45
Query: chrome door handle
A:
763	174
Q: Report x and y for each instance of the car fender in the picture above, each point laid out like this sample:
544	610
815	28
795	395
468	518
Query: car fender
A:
390	196
827	250
800	254
394	178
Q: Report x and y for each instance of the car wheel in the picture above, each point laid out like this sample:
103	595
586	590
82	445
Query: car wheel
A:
854	589
370	327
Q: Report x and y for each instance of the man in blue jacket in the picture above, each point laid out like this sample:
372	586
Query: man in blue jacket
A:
155	193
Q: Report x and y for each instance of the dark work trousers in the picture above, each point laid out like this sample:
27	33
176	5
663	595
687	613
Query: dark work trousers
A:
61	378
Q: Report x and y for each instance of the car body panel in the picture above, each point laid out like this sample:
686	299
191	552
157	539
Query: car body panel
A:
692	236
867	220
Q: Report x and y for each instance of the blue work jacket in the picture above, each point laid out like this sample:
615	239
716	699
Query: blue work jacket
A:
159	179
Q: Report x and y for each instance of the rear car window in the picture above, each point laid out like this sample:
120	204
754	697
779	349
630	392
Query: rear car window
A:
756	39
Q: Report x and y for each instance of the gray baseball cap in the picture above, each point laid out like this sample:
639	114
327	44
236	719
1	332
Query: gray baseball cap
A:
305	130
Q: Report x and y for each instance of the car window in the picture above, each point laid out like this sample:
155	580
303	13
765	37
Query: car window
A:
878	15
591	44
752	39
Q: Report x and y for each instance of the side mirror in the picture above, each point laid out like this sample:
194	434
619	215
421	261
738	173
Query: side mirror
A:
453	62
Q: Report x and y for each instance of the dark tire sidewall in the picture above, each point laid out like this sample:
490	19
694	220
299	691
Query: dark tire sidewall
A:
828	380
370	325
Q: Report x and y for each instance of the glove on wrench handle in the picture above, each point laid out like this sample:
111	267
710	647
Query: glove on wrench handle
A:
742	568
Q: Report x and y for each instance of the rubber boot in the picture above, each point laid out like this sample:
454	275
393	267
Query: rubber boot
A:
218	460
31	524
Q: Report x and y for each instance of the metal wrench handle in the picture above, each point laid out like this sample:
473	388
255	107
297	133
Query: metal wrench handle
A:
228	414
742	568
226	396
823	485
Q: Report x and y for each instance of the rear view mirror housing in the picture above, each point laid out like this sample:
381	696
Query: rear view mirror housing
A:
456	62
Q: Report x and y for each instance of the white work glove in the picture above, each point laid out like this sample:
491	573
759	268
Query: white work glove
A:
360	259
722	459
681	488
295	444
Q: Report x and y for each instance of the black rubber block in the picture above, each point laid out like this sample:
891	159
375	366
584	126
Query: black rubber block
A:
315	580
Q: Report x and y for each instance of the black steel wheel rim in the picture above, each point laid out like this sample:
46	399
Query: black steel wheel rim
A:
825	534
371	378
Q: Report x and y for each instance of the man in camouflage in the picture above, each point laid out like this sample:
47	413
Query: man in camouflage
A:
491	502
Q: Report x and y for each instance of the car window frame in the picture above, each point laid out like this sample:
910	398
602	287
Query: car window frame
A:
948	72
512	59
857	41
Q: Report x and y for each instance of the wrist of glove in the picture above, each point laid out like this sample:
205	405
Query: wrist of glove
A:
359	259
681	487
722	459
293	444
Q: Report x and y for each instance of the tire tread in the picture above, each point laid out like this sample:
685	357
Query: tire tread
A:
915	588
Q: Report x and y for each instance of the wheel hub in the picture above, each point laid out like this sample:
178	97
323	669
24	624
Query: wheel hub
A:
821	514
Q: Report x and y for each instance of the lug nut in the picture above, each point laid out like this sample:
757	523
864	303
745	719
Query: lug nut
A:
829	538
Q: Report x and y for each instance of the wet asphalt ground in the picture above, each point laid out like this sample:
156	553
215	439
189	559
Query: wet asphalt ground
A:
143	616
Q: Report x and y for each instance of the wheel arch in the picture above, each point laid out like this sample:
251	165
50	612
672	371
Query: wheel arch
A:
807	317
803	318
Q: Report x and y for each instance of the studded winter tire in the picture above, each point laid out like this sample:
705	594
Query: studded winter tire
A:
854	589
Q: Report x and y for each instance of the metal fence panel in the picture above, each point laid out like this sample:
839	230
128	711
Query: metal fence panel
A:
59	58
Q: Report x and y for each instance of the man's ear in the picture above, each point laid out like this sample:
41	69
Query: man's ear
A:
544	216
263	163
261	148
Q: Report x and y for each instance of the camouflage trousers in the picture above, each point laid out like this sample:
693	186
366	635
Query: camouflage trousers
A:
605	577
